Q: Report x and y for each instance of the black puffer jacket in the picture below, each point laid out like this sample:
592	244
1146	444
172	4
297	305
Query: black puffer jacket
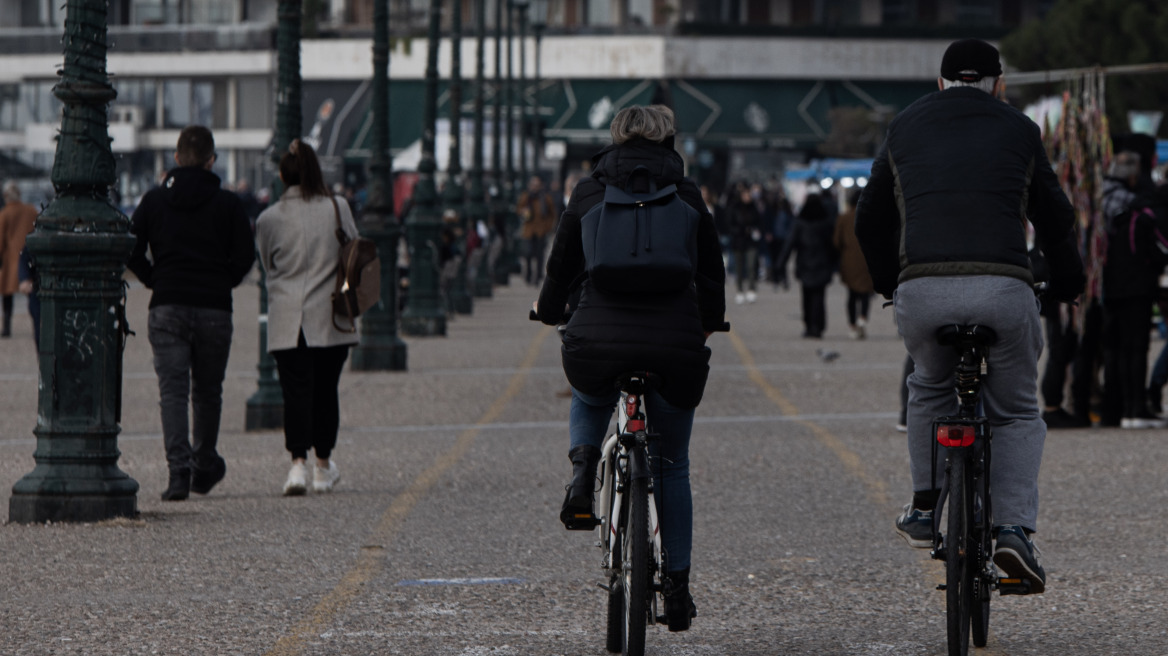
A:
610	333
959	175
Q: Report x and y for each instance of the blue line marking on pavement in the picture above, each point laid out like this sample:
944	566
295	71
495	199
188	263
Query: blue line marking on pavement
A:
468	581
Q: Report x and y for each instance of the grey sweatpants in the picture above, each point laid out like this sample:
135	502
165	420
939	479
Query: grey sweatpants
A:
1009	389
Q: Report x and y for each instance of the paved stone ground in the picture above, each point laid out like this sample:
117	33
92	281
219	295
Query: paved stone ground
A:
442	536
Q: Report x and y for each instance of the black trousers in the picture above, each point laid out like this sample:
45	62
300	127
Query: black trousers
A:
1062	341
814	310
858	304
1126	334
312	409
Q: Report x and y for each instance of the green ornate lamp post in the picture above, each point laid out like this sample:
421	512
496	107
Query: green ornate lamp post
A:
538	25
265	408
380	348
425	313
81	243
499	197
521	9
476	208
509	188
460	299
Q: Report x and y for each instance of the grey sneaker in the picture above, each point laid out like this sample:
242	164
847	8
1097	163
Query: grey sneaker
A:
916	526
1017	557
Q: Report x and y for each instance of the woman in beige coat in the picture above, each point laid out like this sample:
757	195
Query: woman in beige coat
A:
853	269
299	250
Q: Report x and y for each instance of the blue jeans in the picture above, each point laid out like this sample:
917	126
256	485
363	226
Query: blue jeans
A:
191	345
588	422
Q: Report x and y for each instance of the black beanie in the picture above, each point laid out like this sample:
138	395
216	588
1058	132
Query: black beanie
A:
970	55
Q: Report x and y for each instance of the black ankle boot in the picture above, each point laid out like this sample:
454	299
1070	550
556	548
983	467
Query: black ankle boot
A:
576	513
679	605
179	487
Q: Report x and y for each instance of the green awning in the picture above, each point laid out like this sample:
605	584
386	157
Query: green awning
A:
777	114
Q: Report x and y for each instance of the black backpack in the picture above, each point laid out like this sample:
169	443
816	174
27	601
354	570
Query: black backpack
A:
640	242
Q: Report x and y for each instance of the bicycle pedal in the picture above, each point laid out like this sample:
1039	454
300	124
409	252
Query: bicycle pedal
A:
1013	587
581	522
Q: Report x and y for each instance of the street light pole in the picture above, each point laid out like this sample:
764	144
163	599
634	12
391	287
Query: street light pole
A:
476	208
460	299
380	348
500	269
265	408
425	313
510	189
81	243
521	8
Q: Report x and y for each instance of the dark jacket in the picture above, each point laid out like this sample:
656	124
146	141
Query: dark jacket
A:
612	333
745	224
1135	245
199	237
951	189
810	240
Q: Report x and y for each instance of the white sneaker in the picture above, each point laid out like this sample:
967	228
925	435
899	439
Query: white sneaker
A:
297	483
739	299
751	297
861	328
323	480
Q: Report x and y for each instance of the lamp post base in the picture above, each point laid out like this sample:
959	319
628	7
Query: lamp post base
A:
379	357
264	414
422	326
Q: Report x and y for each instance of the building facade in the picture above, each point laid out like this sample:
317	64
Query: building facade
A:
755	84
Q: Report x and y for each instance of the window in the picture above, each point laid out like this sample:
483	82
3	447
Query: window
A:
899	12
256	106
188	103
38	104
141	93
977	12
10	107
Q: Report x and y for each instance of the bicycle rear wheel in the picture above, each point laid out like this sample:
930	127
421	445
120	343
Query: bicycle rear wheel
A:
980	538
635	568
959	575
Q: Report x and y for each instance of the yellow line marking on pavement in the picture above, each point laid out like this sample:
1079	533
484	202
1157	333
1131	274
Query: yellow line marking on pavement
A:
371	558
877	489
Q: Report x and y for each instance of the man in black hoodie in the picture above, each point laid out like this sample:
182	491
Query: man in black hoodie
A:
200	247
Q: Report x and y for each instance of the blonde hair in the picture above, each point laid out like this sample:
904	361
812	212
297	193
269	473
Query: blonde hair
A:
652	122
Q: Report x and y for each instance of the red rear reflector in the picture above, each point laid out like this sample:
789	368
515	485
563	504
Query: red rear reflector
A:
955	436
634	425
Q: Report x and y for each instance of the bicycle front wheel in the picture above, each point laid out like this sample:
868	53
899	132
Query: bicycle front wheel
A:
959	575
635	568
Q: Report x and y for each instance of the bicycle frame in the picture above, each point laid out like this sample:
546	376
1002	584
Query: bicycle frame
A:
623	457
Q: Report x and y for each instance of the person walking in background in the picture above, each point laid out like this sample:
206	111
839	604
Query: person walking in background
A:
299	250
16	221
853	269
781	218
537	210
200	246
1135	258
26	273
815	261
745	238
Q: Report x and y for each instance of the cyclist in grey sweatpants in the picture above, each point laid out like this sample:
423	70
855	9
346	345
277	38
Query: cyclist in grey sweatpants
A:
1009	390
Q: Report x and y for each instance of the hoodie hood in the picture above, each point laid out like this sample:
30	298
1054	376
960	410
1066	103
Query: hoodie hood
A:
614	163
190	187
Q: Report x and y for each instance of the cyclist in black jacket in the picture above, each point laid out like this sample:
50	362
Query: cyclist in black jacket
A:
611	333
942	224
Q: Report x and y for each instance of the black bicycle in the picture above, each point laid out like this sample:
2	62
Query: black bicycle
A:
966	546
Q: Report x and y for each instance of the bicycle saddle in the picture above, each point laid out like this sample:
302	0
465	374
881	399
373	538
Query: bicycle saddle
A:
638	382
953	334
